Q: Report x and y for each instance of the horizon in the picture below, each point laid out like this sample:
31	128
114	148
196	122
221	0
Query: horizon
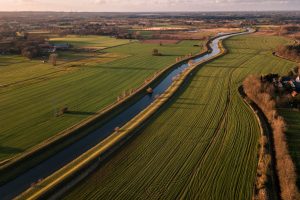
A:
154	12
149	6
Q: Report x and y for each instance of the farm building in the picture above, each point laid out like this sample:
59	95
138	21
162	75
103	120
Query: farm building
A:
61	46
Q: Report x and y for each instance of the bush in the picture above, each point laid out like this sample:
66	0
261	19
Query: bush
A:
155	52
62	111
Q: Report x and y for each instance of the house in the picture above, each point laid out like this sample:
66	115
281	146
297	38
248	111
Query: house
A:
61	46
5	46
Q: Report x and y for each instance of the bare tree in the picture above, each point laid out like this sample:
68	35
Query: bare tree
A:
53	59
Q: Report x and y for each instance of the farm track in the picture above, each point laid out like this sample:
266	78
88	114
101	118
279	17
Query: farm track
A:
221	124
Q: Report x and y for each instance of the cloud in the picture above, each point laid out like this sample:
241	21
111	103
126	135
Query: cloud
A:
149	5
99	1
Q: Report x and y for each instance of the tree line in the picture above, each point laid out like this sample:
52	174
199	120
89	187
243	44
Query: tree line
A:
291	52
28	46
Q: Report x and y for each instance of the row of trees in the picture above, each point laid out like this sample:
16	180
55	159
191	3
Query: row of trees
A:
262	95
29	47
290	52
288	29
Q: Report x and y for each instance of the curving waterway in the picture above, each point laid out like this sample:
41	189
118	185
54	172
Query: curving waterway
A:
14	187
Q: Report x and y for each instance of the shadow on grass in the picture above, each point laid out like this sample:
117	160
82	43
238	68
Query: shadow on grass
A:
10	150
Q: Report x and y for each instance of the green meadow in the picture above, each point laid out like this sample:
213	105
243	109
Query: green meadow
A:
203	145
31	91
89	41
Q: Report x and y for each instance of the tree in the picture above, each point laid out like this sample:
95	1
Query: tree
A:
155	52
53	59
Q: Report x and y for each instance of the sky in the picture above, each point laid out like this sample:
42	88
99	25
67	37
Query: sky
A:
148	5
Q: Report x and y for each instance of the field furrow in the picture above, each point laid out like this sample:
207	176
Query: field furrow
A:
28	108
203	145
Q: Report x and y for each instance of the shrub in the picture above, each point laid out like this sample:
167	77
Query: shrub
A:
155	52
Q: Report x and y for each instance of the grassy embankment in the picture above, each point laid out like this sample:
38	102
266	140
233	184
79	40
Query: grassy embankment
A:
204	145
36	90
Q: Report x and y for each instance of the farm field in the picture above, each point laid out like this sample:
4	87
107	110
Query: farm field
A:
203	145
81	85
292	119
16	69
89	41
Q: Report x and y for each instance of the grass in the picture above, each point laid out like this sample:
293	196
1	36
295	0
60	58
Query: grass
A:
90	41
16	70
203	146
99	150
27	109
293	137
144	33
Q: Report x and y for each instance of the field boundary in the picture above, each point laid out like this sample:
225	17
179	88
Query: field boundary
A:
60	181
265	130
282	57
11	167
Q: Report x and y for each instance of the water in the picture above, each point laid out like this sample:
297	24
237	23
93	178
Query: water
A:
55	162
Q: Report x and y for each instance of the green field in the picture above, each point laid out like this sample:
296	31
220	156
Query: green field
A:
293	137
89	41
37	90
204	145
